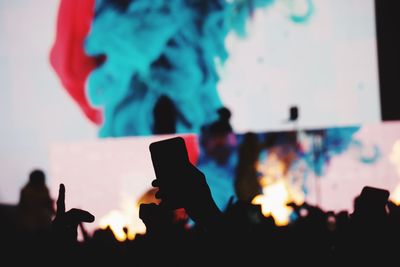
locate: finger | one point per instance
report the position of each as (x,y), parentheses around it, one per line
(61,200)
(158,194)
(77,216)
(155,183)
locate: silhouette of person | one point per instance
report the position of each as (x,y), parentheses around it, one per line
(35,207)
(247,183)
(218,157)
(218,139)
(167,116)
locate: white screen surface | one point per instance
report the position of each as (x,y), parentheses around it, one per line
(326,66)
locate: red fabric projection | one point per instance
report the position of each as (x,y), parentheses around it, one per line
(67,56)
(192,147)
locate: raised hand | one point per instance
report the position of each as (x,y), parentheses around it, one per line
(65,224)
(193,194)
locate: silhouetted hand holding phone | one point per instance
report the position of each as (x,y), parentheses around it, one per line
(182,185)
(370,205)
(65,224)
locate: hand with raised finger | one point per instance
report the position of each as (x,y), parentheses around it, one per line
(65,224)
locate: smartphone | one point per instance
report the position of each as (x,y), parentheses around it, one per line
(170,159)
(374,198)
(375,195)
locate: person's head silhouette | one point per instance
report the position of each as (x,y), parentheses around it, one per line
(218,138)
(37,178)
(165,116)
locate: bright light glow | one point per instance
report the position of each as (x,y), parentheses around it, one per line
(127,217)
(273,202)
(116,221)
(395,196)
(277,191)
(272,169)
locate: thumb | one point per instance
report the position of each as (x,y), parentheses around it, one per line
(77,216)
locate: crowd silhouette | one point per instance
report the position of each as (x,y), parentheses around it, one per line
(44,231)
(41,230)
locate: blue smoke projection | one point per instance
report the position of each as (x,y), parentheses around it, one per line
(170,48)
(327,143)
(298,156)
